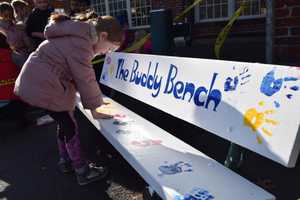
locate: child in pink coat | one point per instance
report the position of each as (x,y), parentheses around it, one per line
(59,68)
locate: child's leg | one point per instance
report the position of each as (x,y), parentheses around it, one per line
(64,163)
(69,132)
(68,139)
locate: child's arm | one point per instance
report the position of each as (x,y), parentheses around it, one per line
(84,77)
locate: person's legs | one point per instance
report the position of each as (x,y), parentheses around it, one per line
(64,162)
(69,145)
(68,139)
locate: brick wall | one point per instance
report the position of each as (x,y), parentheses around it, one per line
(287,28)
(287,31)
(208,30)
(249,27)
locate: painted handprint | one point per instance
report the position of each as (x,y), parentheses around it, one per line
(255,120)
(270,85)
(196,194)
(146,143)
(175,168)
(242,78)
(122,121)
(109,70)
(123,131)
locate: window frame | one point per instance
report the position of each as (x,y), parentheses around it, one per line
(128,10)
(231,10)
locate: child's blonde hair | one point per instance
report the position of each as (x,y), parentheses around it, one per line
(107,24)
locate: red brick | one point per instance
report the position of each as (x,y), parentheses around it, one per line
(288,40)
(281,31)
(296,12)
(284,12)
(287,53)
(287,22)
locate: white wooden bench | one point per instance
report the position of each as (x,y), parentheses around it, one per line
(201,92)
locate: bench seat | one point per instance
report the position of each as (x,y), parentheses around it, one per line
(171,167)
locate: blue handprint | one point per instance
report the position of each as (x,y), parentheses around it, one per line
(196,194)
(232,83)
(270,85)
(119,123)
(175,168)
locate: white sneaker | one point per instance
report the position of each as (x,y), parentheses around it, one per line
(46,119)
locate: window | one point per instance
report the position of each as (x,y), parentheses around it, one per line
(99,6)
(140,12)
(213,10)
(117,7)
(254,8)
(136,11)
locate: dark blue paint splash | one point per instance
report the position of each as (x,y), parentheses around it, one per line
(175,168)
(289,96)
(232,83)
(290,79)
(295,88)
(228,86)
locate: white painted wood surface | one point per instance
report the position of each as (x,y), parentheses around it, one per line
(251,104)
(173,168)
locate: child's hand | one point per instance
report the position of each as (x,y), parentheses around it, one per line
(104,111)
(100,114)
(106,103)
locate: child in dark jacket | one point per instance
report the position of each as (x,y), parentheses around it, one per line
(37,21)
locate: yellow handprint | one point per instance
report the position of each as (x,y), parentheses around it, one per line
(111,70)
(255,120)
(107,108)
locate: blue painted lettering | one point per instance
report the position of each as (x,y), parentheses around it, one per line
(202,96)
(189,88)
(179,87)
(170,79)
(149,80)
(122,73)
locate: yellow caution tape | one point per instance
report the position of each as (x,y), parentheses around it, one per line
(224,33)
(142,41)
(187,10)
(97,61)
(7,82)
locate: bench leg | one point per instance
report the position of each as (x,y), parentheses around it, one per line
(235,157)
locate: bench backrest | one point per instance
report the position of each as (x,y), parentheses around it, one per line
(254,105)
